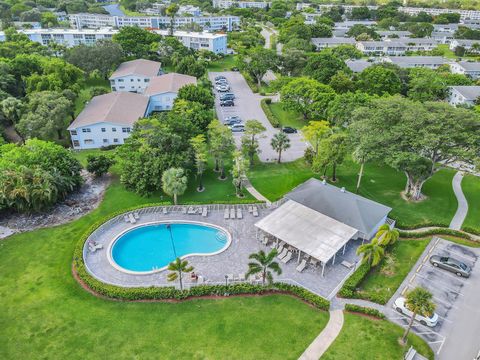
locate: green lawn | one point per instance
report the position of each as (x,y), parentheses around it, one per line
(384,279)
(380,183)
(287,117)
(365,338)
(45,313)
(471,189)
(224,64)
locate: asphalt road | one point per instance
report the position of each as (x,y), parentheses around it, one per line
(247,106)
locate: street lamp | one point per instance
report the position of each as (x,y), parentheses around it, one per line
(226,280)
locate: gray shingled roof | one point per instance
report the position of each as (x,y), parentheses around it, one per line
(140,67)
(470,66)
(333,40)
(468,92)
(171,82)
(405,61)
(351,209)
(358,65)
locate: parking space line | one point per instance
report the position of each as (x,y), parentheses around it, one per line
(456,253)
(445,287)
(448,305)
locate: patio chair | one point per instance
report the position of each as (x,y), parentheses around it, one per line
(135,215)
(165,211)
(205,212)
(302,266)
(94,246)
(265,240)
(125,217)
(230,277)
(239,213)
(250,209)
(226,214)
(282,254)
(200,279)
(232,213)
(255,211)
(132,219)
(347,264)
(287,258)
(184,210)
(191,210)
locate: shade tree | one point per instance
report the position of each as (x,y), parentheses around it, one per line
(250,146)
(280,142)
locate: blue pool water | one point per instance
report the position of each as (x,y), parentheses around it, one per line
(151,247)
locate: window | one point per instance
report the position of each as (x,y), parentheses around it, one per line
(114,129)
(88,141)
(126,129)
(131,80)
(120,80)
(113,88)
(105,141)
(73,132)
(122,87)
(76,143)
(103,129)
(139,80)
(115,140)
(146,80)
(86,130)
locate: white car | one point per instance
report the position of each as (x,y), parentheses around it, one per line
(400,306)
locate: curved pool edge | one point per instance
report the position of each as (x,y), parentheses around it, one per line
(150,272)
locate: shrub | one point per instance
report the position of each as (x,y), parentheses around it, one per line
(268,113)
(364,310)
(471,230)
(305,295)
(437,231)
(99,164)
(349,287)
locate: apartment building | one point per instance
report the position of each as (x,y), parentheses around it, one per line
(227,4)
(134,76)
(467,68)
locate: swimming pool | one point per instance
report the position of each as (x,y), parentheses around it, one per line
(151,247)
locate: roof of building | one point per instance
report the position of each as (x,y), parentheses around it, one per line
(470,66)
(400,33)
(349,208)
(395,43)
(123,108)
(405,61)
(358,65)
(171,82)
(466,42)
(333,40)
(310,231)
(141,67)
(468,92)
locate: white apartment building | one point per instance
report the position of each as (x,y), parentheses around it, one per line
(469,45)
(225,22)
(323,43)
(134,76)
(470,69)
(216,43)
(463,95)
(396,47)
(227,4)
(464,14)
(162,90)
(407,62)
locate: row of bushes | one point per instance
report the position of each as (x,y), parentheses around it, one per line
(252,84)
(364,310)
(348,289)
(268,112)
(170,292)
(471,230)
(437,231)
(399,225)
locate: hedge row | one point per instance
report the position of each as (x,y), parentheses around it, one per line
(252,84)
(437,231)
(170,292)
(399,225)
(471,230)
(348,289)
(268,113)
(364,310)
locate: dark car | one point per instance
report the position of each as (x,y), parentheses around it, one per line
(451,264)
(227,102)
(235,69)
(289,130)
(227,96)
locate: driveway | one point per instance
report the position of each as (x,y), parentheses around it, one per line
(247,106)
(456,334)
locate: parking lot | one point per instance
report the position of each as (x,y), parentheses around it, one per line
(451,295)
(247,107)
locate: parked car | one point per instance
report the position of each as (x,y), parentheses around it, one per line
(220,77)
(227,96)
(400,306)
(451,264)
(237,127)
(235,69)
(221,82)
(223,88)
(289,130)
(227,102)
(230,120)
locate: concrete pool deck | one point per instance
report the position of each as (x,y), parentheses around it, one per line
(234,260)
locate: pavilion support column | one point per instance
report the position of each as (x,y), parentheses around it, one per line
(344,246)
(333,262)
(299,253)
(323,268)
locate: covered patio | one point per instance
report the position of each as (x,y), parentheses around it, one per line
(308,234)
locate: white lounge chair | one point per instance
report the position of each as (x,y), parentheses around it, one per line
(125,217)
(232,213)
(165,211)
(200,280)
(132,218)
(287,258)
(205,212)
(93,246)
(136,216)
(250,209)
(347,264)
(255,211)
(265,240)
(230,277)
(282,254)
(239,213)
(302,265)
(184,210)
(226,214)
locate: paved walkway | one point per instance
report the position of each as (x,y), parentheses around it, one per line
(323,341)
(457,221)
(256,194)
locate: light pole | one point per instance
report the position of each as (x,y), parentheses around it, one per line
(226,280)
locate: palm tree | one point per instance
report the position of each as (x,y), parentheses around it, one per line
(279,143)
(372,252)
(171,11)
(418,301)
(177,268)
(386,235)
(264,264)
(174,182)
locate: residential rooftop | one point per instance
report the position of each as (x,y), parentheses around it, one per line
(171,82)
(469,65)
(140,67)
(468,92)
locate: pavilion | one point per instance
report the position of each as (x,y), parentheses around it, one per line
(319,220)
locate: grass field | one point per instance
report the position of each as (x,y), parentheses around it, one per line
(384,279)
(377,340)
(45,313)
(287,117)
(224,64)
(471,190)
(380,183)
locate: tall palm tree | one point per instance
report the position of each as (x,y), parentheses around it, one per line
(171,11)
(372,252)
(279,143)
(174,182)
(177,268)
(386,235)
(264,264)
(418,301)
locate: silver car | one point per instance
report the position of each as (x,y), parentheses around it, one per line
(451,264)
